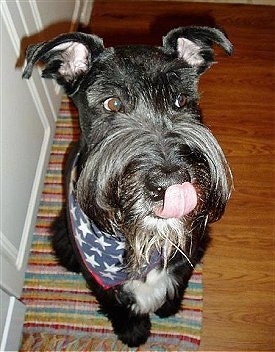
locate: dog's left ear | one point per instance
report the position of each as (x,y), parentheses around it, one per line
(194,45)
(67,58)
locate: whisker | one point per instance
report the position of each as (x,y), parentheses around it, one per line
(191,244)
(178,249)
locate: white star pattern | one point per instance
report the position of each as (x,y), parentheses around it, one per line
(83,228)
(79,238)
(98,251)
(101,241)
(91,259)
(120,245)
(111,268)
(73,212)
(118,257)
(108,275)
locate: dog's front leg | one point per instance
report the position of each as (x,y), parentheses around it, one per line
(132,328)
(180,272)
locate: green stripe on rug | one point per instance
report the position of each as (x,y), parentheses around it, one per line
(62,314)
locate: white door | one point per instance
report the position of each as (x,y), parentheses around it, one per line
(28,113)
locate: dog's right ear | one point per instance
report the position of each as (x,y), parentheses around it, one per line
(67,58)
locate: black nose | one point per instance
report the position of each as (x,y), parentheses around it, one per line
(159,179)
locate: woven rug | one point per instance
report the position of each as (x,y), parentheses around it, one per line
(62,314)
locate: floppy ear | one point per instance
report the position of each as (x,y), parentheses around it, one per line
(67,58)
(194,45)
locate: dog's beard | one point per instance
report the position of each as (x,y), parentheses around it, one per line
(166,236)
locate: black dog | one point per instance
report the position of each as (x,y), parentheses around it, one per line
(146,177)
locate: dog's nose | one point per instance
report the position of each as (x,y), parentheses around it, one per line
(156,193)
(159,179)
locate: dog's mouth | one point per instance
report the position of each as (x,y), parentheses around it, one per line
(179,201)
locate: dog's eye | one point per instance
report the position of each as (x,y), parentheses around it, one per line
(113,104)
(181,101)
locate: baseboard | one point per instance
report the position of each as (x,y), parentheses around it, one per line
(13,320)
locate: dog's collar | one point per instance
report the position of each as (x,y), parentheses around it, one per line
(101,253)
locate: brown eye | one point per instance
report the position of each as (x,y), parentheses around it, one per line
(181,101)
(113,104)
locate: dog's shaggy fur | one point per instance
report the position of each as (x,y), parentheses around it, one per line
(146,172)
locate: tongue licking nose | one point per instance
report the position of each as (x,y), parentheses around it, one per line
(179,200)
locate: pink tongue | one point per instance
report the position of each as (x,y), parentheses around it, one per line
(179,200)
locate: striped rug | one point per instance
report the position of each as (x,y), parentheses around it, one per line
(62,315)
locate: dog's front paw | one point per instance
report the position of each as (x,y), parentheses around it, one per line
(170,307)
(134,331)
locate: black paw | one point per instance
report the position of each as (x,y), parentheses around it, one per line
(169,308)
(134,331)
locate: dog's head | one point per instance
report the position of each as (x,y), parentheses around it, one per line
(151,170)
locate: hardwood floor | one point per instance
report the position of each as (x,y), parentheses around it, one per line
(238,103)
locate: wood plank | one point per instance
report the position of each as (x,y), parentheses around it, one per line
(238,103)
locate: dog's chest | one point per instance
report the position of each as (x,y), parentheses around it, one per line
(149,295)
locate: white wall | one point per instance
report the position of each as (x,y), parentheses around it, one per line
(28,113)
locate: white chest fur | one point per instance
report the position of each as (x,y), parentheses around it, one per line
(151,293)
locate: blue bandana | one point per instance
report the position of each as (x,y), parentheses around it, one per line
(101,253)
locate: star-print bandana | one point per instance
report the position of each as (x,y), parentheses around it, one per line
(102,253)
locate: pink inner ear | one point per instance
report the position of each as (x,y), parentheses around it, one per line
(74,58)
(189,51)
(179,200)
